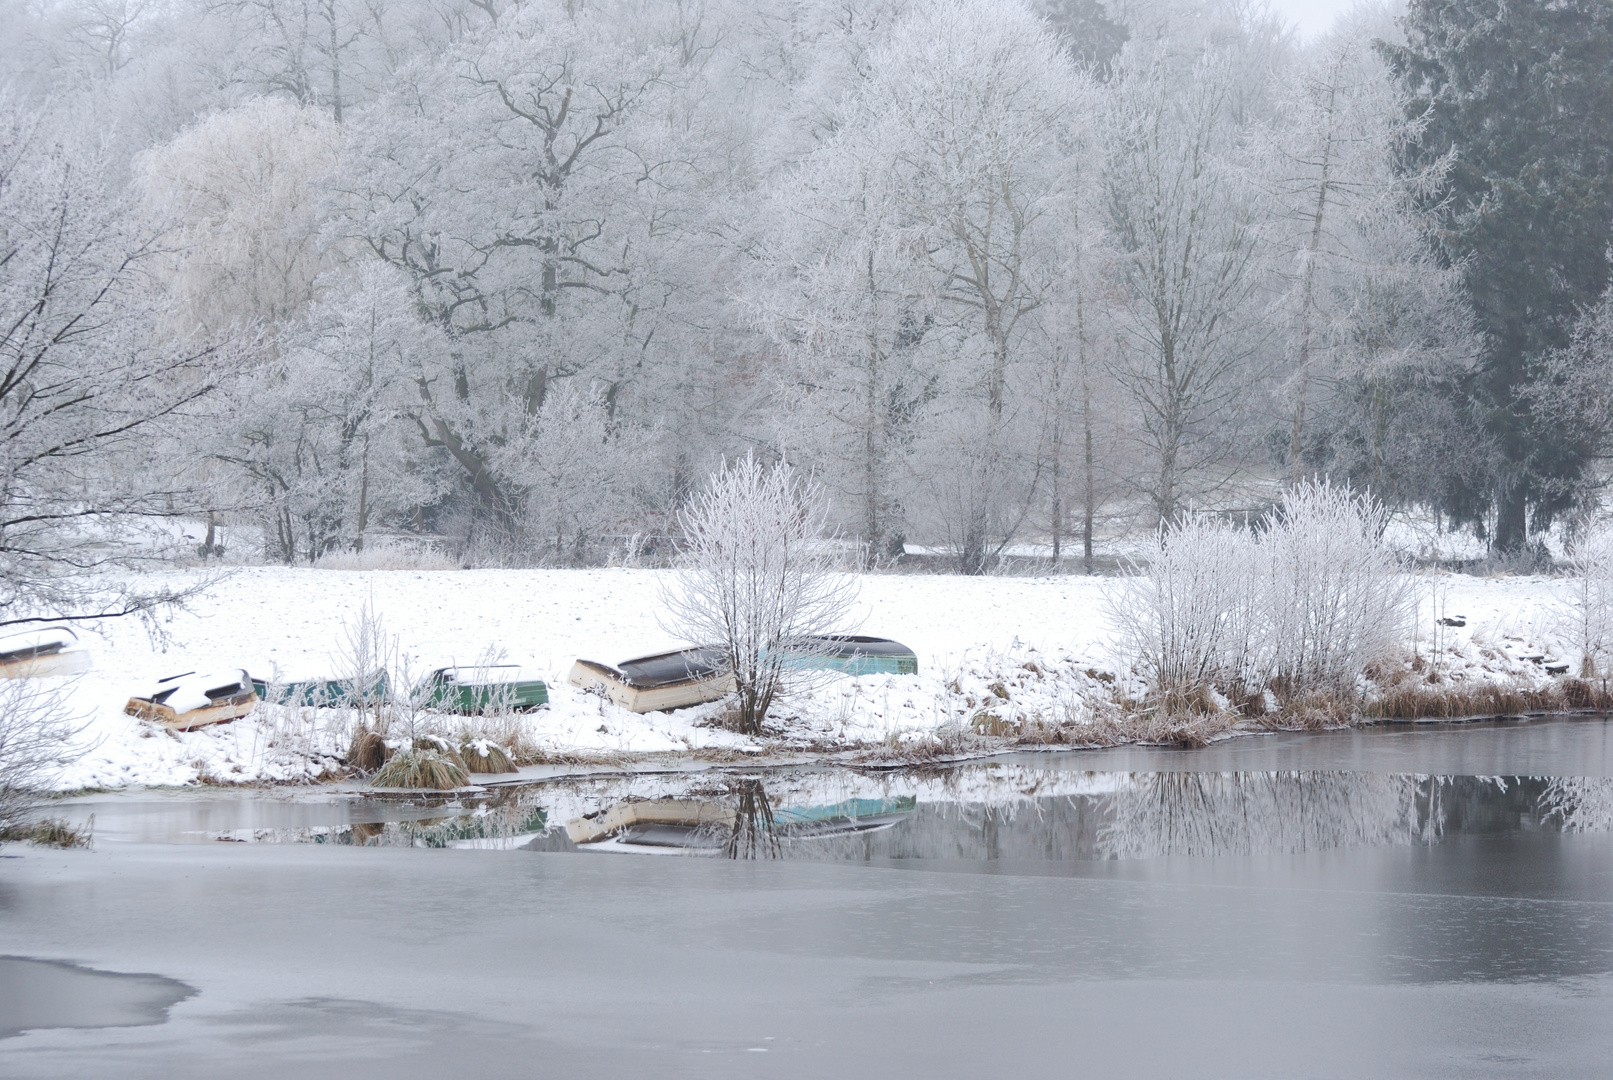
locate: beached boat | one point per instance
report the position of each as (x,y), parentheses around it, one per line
(671,680)
(321,693)
(36,654)
(705,826)
(481,688)
(196,699)
(853,654)
(675,680)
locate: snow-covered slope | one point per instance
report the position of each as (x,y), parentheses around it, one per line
(1039,641)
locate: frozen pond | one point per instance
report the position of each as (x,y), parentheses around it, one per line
(1416,900)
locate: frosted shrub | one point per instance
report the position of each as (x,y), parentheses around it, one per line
(1338,602)
(37,737)
(1300,608)
(1592,560)
(756,579)
(1190,616)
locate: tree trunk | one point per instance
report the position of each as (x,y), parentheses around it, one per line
(335,64)
(1512,521)
(363,497)
(1296,443)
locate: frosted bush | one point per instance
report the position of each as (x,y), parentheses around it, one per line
(37,739)
(1190,616)
(1592,560)
(1339,603)
(1302,607)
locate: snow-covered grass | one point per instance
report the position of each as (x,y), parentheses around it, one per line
(1001,660)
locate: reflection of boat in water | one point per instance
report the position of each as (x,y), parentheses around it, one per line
(692,825)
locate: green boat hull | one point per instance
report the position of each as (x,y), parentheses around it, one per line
(475,698)
(321,693)
(859,665)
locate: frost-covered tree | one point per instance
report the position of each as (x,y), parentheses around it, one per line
(583,475)
(848,303)
(1366,305)
(37,733)
(980,112)
(326,448)
(88,387)
(758,579)
(238,193)
(514,181)
(1186,221)
(1521,95)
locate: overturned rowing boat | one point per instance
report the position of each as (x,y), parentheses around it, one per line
(852,654)
(671,680)
(324,693)
(40,653)
(674,680)
(484,688)
(196,699)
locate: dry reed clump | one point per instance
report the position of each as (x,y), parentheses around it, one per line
(1158,728)
(368,751)
(1023,731)
(1450,702)
(52,832)
(507,732)
(483,756)
(423,765)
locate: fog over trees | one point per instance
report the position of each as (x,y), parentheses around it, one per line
(518,274)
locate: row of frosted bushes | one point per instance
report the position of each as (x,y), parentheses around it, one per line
(1301,606)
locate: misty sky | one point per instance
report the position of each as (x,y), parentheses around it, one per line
(1312,16)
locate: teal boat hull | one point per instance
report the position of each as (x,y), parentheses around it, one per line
(321,693)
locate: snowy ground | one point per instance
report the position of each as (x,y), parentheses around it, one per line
(1016,648)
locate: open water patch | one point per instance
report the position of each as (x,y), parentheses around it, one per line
(38,994)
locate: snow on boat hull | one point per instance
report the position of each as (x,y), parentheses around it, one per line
(193,700)
(71,662)
(37,654)
(687,677)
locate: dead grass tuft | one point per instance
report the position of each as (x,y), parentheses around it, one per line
(420,767)
(52,832)
(1159,728)
(368,751)
(1450,702)
(482,756)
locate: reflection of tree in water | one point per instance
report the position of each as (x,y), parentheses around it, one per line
(1196,813)
(1580,803)
(754,834)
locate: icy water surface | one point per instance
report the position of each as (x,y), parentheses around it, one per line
(1417,900)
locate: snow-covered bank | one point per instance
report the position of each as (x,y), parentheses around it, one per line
(992,652)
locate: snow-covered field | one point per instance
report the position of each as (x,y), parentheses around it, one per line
(1020,648)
